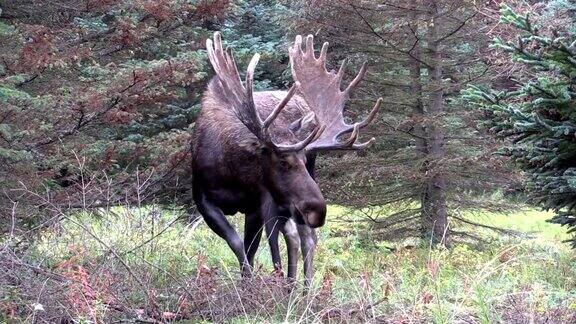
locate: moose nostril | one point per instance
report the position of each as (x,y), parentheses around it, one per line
(315,213)
(315,220)
(311,208)
(318,206)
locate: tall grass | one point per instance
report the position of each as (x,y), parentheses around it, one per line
(151,264)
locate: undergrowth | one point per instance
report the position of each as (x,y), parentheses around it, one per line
(152,265)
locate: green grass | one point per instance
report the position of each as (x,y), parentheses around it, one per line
(520,278)
(528,221)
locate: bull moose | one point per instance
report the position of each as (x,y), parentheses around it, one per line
(255,152)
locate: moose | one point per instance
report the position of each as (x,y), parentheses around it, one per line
(255,152)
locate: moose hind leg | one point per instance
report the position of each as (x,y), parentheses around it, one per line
(272,223)
(273,226)
(218,223)
(252,234)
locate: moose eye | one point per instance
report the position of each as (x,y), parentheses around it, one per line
(284,164)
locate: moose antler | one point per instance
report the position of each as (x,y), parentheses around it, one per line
(242,100)
(321,90)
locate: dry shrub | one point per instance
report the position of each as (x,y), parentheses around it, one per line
(516,309)
(81,288)
(86,295)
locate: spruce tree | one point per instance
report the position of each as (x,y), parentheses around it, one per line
(537,115)
(106,92)
(427,164)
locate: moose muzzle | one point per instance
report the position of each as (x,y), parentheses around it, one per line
(313,212)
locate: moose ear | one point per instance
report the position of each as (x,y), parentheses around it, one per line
(295,125)
(301,122)
(252,145)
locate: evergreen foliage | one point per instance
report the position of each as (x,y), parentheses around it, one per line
(93,88)
(105,93)
(429,162)
(538,114)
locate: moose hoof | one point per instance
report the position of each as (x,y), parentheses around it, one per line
(247,271)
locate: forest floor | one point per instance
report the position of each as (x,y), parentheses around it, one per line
(150,265)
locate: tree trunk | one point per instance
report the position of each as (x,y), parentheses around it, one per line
(416,90)
(434,215)
(418,115)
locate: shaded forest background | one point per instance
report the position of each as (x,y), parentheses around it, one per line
(98,99)
(476,136)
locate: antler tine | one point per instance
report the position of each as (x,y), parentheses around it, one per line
(340,73)
(372,114)
(362,146)
(281,105)
(353,137)
(215,53)
(323,53)
(298,44)
(232,62)
(349,143)
(250,80)
(218,42)
(310,46)
(318,130)
(352,86)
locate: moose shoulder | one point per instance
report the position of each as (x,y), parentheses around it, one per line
(254,152)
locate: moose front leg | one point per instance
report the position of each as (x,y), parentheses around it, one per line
(252,234)
(308,241)
(292,239)
(216,220)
